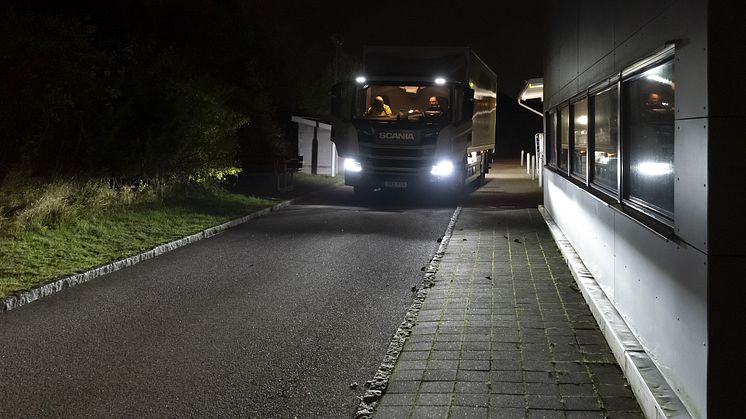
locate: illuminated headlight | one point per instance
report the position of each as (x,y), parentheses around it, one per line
(360,79)
(352,165)
(440,81)
(443,168)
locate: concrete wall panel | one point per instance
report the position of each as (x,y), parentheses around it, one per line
(690,189)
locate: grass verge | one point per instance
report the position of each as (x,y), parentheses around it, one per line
(36,254)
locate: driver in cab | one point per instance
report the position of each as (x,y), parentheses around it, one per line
(379,108)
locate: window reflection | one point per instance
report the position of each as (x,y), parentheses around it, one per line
(552,140)
(564,137)
(649,135)
(605,137)
(580,138)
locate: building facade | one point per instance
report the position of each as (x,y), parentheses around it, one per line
(643,116)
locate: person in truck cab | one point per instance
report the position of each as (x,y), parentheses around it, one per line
(379,108)
(434,109)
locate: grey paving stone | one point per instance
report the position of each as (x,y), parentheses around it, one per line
(413,355)
(574,414)
(540,377)
(392,412)
(468,375)
(445,355)
(429,412)
(418,345)
(438,364)
(507,400)
(550,389)
(439,375)
(447,346)
(511,376)
(613,414)
(577,390)
(402,386)
(472,387)
(411,365)
(469,412)
(476,355)
(507,413)
(407,375)
(545,414)
(437,387)
(503,387)
(507,354)
(506,365)
(474,365)
(564,377)
(619,403)
(581,403)
(614,390)
(538,401)
(471,399)
(399,399)
(434,399)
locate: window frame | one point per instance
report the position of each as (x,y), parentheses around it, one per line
(574,101)
(631,73)
(613,83)
(655,218)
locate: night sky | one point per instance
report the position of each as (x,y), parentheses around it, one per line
(509,37)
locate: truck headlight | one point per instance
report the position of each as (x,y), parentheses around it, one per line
(443,168)
(352,165)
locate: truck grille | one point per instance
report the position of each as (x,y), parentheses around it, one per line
(384,157)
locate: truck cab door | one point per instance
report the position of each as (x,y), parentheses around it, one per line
(467,105)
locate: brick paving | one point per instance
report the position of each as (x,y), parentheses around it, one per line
(505,333)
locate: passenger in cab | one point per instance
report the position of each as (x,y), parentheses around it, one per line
(379,108)
(434,109)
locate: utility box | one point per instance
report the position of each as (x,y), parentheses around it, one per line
(321,158)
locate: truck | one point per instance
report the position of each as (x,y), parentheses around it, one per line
(416,118)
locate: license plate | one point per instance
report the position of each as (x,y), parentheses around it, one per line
(395,184)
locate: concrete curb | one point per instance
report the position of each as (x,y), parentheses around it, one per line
(18,300)
(377,386)
(657,399)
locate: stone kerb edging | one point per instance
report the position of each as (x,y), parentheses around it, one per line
(17,300)
(377,386)
(655,396)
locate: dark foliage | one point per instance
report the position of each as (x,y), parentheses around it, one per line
(146,90)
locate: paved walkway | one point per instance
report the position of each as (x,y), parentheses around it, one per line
(504,331)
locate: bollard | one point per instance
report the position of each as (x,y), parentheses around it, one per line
(541,170)
(528,166)
(533,168)
(521,157)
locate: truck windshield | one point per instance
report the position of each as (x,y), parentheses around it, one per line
(411,102)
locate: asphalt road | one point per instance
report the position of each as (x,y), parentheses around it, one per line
(275,318)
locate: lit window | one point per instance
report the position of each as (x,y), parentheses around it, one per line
(648,129)
(564,137)
(580,139)
(605,139)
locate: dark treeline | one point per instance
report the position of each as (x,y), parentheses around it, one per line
(139,90)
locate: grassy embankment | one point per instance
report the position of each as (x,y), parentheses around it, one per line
(56,229)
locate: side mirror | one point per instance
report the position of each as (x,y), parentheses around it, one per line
(343,100)
(467,110)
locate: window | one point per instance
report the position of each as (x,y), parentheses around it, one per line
(580,139)
(605,139)
(648,137)
(404,102)
(564,137)
(551,145)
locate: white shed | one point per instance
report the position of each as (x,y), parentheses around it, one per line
(321,158)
